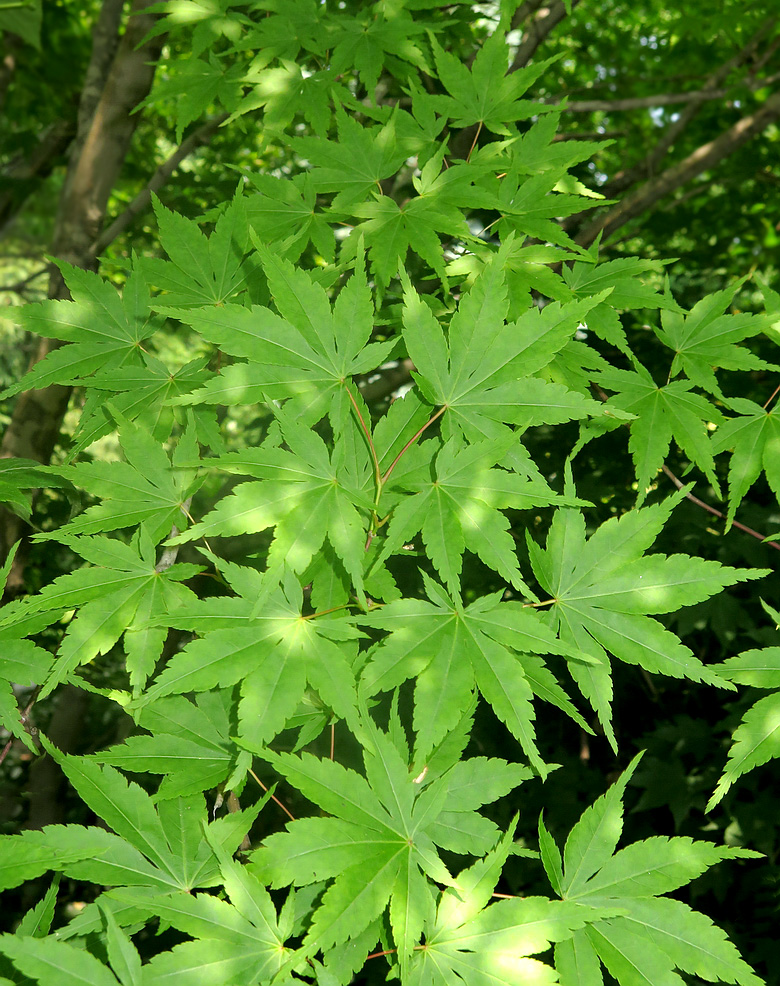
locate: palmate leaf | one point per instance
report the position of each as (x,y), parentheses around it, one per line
(140,393)
(305,353)
(707,339)
(155,848)
(757,738)
(450,651)
(202,270)
(104,329)
(364,43)
(302,493)
(235,942)
(134,594)
(354,164)
(474,372)
(378,843)
(647,936)
(486,94)
(603,589)
(662,413)
(754,438)
(485,945)
(148,488)
(273,653)
(283,212)
(459,507)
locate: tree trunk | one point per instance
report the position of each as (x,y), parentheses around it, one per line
(119,76)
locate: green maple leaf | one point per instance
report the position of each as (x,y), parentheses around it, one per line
(706,339)
(391,229)
(104,330)
(355,163)
(148,488)
(661,414)
(155,847)
(533,206)
(273,653)
(754,438)
(201,270)
(379,843)
(22,664)
(450,650)
(305,353)
(284,211)
(46,959)
(474,941)
(623,276)
(604,589)
(459,506)
(756,739)
(236,941)
(135,594)
(485,94)
(363,44)
(302,493)
(648,936)
(289,26)
(189,744)
(195,83)
(474,371)
(18,477)
(140,393)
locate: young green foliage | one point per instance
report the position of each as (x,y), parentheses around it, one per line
(646,937)
(399,397)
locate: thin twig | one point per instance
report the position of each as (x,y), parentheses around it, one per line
(141,202)
(284,808)
(369,439)
(717,513)
(775,392)
(412,440)
(24,717)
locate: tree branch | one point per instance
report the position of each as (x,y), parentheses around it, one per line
(141,202)
(663,98)
(704,157)
(647,168)
(539,28)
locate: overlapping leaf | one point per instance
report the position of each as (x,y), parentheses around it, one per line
(234,942)
(648,936)
(159,848)
(603,590)
(475,941)
(189,743)
(378,844)
(273,654)
(450,650)
(304,353)
(662,413)
(103,328)
(302,493)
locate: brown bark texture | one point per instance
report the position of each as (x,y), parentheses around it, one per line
(119,76)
